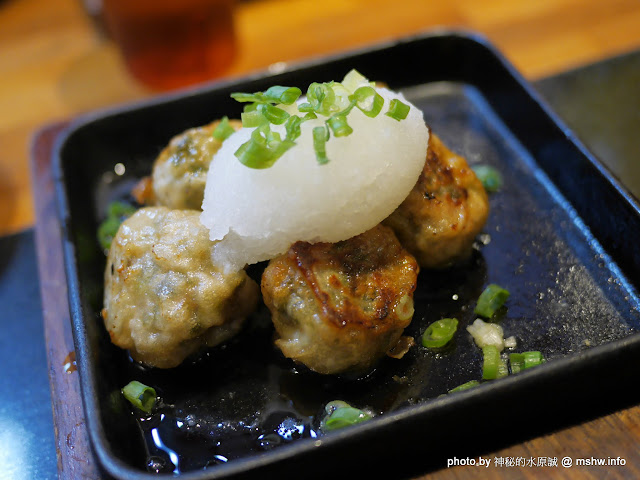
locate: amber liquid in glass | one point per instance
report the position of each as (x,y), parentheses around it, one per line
(168,44)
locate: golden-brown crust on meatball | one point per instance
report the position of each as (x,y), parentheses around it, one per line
(180,171)
(340,307)
(163,298)
(445,211)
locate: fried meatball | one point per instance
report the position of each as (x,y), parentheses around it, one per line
(340,307)
(441,216)
(180,171)
(163,299)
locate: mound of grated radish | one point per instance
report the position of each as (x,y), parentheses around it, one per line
(257,214)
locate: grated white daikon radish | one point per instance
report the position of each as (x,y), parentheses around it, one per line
(255,215)
(486,334)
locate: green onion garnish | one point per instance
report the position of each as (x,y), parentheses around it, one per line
(352,79)
(398,110)
(246,97)
(252,118)
(522,361)
(320,137)
(465,386)
(284,95)
(343,416)
(490,177)
(533,359)
(491,299)
(516,360)
(331,99)
(107,230)
(339,126)
(334,405)
(492,365)
(117,212)
(223,130)
(274,115)
(439,333)
(321,99)
(140,395)
(503,368)
(292,127)
(275,94)
(263,150)
(120,209)
(368,97)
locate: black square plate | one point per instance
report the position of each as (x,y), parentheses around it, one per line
(561,237)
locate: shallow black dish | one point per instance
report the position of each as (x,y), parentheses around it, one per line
(561,237)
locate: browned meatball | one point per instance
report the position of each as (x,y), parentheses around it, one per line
(444,212)
(180,171)
(163,298)
(340,307)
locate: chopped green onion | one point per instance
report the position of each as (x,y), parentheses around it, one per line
(368,97)
(120,209)
(343,416)
(260,151)
(263,135)
(334,405)
(223,130)
(503,368)
(465,386)
(246,97)
(117,212)
(140,395)
(439,333)
(516,360)
(397,110)
(305,107)
(331,99)
(273,95)
(250,107)
(265,145)
(339,126)
(522,361)
(353,79)
(490,177)
(342,101)
(292,127)
(491,299)
(320,137)
(107,230)
(253,118)
(309,116)
(274,115)
(282,147)
(533,359)
(321,98)
(491,362)
(284,95)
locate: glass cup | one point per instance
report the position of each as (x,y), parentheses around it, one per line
(168,44)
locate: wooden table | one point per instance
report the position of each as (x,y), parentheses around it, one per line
(53,65)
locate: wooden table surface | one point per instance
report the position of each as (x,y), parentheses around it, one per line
(54,65)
